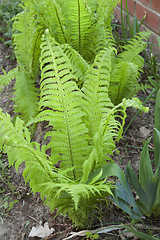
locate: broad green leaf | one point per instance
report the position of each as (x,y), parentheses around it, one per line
(145,168)
(139,234)
(157,147)
(108,170)
(136,185)
(124,199)
(156,138)
(146,196)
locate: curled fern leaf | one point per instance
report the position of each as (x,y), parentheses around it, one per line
(109,132)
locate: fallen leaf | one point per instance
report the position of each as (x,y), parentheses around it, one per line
(98,230)
(41,231)
(145,132)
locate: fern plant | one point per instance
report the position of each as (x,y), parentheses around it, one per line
(70,48)
(83,30)
(84,127)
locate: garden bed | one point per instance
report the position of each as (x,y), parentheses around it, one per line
(20,210)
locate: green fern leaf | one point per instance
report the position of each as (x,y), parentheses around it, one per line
(124,82)
(79,22)
(61,95)
(15,140)
(103,10)
(95,90)
(108,11)
(7,77)
(80,66)
(110,130)
(103,38)
(133,48)
(76,200)
(26,96)
(50,16)
(26,41)
(126,72)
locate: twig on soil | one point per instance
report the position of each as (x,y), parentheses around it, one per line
(33,219)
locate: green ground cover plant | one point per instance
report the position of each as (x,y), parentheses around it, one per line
(70,75)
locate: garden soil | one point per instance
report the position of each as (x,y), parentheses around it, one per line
(20,210)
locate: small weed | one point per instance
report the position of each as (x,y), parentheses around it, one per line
(6,204)
(4,176)
(6,201)
(91,236)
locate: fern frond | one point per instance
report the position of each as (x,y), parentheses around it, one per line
(109,131)
(101,28)
(76,200)
(61,95)
(34,53)
(26,96)
(80,66)
(103,10)
(133,48)
(26,41)
(50,16)
(78,17)
(52,183)
(15,141)
(109,7)
(98,38)
(95,90)
(123,82)
(126,72)
(7,77)
(103,38)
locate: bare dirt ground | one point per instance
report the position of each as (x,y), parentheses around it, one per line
(20,210)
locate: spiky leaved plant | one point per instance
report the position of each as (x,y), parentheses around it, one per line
(83,30)
(84,126)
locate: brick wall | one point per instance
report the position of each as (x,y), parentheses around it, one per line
(140,8)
